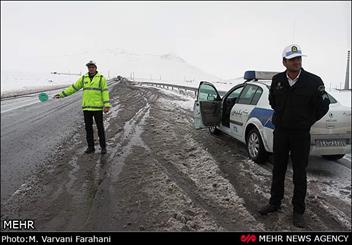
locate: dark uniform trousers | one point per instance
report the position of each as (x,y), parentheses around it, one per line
(88,120)
(295,143)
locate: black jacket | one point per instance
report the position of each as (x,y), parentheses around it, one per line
(300,106)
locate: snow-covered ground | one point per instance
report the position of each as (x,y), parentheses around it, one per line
(171,177)
(186,101)
(19,80)
(342,96)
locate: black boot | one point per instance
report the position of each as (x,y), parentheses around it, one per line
(298,220)
(89,150)
(103,150)
(268,209)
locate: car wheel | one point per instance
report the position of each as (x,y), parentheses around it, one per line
(255,147)
(333,157)
(214,130)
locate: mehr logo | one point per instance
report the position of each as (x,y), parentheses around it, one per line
(294,49)
(248,238)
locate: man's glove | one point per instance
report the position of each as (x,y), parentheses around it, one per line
(106,109)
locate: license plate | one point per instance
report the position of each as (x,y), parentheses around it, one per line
(330,142)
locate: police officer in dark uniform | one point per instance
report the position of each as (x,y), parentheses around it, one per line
(298,99)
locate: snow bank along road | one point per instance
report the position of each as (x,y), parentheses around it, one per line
(159,174)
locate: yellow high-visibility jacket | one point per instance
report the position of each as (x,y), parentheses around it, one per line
(95,93)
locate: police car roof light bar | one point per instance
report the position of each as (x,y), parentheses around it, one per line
(259,75)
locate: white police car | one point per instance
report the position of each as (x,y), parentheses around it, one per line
(244,113)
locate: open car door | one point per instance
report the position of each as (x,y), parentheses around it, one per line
(207,107)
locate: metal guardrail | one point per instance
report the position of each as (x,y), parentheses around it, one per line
(31,92)
(13,95)
(109,82)
(172,86)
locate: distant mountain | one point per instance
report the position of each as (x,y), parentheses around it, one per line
(167,68)
(172,57)
(149,67)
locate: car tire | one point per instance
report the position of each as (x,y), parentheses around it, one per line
(333,157)
(214,130)
(255,147)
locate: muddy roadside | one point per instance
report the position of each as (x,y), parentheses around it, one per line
(161,175)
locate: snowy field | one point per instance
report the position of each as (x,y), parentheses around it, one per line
(21,81)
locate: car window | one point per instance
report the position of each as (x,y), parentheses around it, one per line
(235,94)
(256,96)
(207,93)
(247,94)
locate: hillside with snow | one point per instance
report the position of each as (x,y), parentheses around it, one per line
(166,68)
(149,67)
(111,62)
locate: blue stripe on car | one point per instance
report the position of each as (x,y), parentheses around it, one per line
(263,115)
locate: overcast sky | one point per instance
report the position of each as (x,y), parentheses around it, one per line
(222,38)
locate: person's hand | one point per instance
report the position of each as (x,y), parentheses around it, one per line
(106,109)
(56,96)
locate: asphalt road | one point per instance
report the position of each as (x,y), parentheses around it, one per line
(31,132)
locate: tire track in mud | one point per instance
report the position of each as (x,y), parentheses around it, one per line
(159,175)
(239,170)
(225,171)
(257,194)
(332,211)
(108,167)
(182,157)
(120,201)
(123,142)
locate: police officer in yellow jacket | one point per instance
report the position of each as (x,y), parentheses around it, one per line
(95,100)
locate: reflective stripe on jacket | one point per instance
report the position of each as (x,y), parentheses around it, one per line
(95,92)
